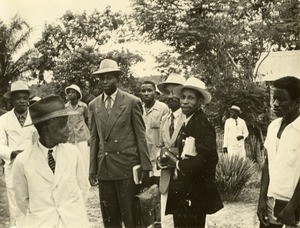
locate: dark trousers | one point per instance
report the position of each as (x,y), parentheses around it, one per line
(116,202)
(189,221)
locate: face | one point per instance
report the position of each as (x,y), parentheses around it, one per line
(58,131)
(20,101)
(189,101)
(233,113)
(172,101)
(109,82)
(72,94)
(148,93)
(283,105)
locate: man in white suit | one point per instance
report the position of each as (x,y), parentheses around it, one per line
(50,179)
(170,126)
(14,138)
(235,133)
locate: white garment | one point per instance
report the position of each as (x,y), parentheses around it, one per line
(14,137)
(232,129)
(51,199)
(284,162)
(85,153)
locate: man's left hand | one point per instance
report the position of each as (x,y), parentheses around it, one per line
(287,216)
(145,179)
(171,159)
(239,137)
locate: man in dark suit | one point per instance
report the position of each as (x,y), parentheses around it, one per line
(118,143)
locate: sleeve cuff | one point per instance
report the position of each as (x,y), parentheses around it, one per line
(177,165)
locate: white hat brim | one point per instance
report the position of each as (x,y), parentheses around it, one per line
(162,86)
(206,95)
(107,70)
(32,92)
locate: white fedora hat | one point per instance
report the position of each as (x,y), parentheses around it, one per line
(108,65)
(196,84)
(237,108)
(172,79)
(75,87)
(19,86)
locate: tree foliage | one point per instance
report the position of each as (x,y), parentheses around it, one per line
(12,38)
(73,48)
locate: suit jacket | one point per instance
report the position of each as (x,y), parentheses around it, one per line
(14,137)
(118,140)
(169,143)
(47,199)
(195,191)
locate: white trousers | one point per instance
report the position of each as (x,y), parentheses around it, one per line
(85,153)
(166,220)
(17,218)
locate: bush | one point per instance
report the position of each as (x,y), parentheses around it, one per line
(232,174)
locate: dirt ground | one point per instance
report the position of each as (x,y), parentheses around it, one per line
(241,214)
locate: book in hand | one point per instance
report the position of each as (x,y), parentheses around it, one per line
(189,148)
(137,173)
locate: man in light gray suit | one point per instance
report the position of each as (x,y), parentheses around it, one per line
(118,143)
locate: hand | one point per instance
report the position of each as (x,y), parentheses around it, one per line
(262,212)
(145,179)
(287,216)
(14,154)
(161,163)
(225,151)
(171,159)
(239,137)
(93,179)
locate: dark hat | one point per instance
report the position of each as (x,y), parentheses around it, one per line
(48,108)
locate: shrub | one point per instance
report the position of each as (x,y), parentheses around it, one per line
(232,174)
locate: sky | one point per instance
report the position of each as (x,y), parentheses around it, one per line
(38,12)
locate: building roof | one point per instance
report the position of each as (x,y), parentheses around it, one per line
(274,65)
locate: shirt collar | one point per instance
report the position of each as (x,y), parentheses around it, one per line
(45,149)
(24,115)
(113,96)
(79,104)
(175,114)
(188,119)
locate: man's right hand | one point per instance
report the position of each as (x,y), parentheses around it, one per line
(262,212)
(225,151)
(14,154)
(93,179)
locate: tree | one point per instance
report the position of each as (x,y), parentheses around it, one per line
(12,39)
(72,50)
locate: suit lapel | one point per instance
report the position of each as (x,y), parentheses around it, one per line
(101,111)
(177,129)
(15,122)
(41,164)
(61,165)
(165,130)
(115,113)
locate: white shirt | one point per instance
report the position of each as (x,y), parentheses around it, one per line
(284,159)
(45,151)
(113,98)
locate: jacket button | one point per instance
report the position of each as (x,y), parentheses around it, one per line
(116,141)
(118,152)
(106,153)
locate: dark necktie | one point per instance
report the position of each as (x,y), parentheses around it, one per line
(108,104)
(171,128)
(21,120)
(51,161)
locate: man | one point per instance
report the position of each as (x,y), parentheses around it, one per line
(154,110)
(235,133)
(170,126)
(79,132)
(49,179)
(118,143)
(279,200)
(14,138)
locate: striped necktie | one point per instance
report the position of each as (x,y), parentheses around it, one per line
(21,120)
(51,161)
(171,128)
(108,104)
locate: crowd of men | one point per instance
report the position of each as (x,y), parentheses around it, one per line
(54,152)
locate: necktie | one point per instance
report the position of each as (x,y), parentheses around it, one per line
(21,120)
(108,104)
(51,161)
(171,128)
